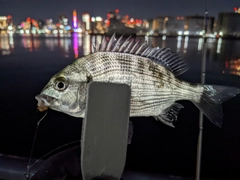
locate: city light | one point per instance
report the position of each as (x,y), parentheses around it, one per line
(115,22)
(186,33)
(98,18)
(236,10)
(55,31)
(75,24)
(3,18)
(10,28)
(180,33)
(233,67)
(93,19)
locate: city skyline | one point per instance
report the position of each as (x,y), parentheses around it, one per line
(142,9)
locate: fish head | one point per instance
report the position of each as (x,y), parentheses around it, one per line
(65,92)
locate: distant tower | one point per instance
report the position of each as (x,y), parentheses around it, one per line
(75,20)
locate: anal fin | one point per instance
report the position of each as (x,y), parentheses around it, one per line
(170,114)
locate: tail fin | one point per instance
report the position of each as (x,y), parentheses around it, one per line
(212,98)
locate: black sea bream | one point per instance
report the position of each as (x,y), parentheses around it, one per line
(151,74)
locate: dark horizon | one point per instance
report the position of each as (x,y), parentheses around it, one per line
(44,9)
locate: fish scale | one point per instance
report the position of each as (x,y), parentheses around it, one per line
(146,78)
(151,73)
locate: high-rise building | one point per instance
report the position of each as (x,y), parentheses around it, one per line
(236,10)
(228,24)
(86,22)
(75,20)
(195,25)
(97,25)
(63,20)
(3,23)
(9,20)
(168,25)
(157,25)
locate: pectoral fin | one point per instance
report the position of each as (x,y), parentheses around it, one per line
(170,114)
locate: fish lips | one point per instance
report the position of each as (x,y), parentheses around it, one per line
(44,102)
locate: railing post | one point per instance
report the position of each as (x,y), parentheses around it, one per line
(105,131)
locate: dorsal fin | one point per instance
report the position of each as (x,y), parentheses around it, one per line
(163,56)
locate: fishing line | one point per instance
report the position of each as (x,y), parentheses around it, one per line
(27,173)
(67,144)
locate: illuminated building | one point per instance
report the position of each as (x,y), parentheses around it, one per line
(3,24)
(86,22)
(6,24)
(159,25)
(74,20)
(30,26)
(125,24)
(195,25)
(228,24)
(26,25)
(236,10)
(41,24)
(179,24)
(156,25)
(114,14)
(116,26)
(49,27)
(62,26)
(63,20)
(97,25)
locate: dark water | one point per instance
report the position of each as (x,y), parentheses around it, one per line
(28,62)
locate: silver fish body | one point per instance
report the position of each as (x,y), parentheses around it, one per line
(151,74)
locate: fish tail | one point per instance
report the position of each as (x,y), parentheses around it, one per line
(212,98)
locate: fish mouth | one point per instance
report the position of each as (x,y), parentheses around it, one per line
(44,102)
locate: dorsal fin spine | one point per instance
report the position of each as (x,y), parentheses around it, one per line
(117,44)
(103,44)
(145,51)
(111,42)
(97,44)
(124,44)
(163,56)
(128,47)
(140,48)
(133,50)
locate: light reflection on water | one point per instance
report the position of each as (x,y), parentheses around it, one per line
(233,67)
(6,44)
(223,52)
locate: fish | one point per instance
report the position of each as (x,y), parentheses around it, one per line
(151,72)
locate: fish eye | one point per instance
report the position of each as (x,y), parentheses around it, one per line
(60,84)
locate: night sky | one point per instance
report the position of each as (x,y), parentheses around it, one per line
(43,9)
